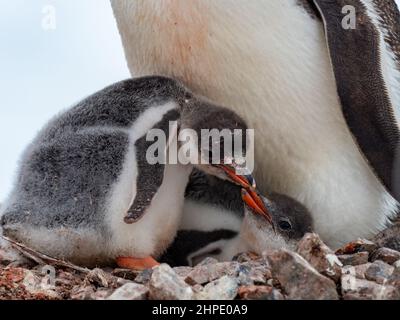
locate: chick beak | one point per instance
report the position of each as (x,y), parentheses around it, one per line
(245,181)
(254,201)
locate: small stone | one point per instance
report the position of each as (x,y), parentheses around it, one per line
(8,255)
(100,278)
(252,272)
(82,292)
(202,274)
(197,288)
(357,271)
(39,286)
(298,278)
(165,284)
(359,289)
(259,293)
(127,274)
(320,256)
(101,294)
(354,259)
(379,272)
(183,272)
(360,245)
(130,291)
(225,288)
(394,279)
(386,255)
(144,276)
(246,257)
(207,261)
(390,237)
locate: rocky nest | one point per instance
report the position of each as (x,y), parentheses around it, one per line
(362,269)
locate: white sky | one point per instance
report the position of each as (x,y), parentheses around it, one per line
(43,72)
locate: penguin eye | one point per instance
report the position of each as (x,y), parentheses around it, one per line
(285,225)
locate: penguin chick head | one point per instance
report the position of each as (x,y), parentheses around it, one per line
(219,137)
(290,222)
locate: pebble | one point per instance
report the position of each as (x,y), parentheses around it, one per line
(357,271)
(165,284)
(183,272)
(359,289)
(298,278)
(204,273)
(320,256)
(387,255)
(130,291)
(39,286)
(127,274)
(246,257)
(144,276)
(379,272)
(225,288)
(260,293)
(354,259)
(360,245)
(100,278)
(251,273)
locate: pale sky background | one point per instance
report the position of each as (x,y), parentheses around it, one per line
(43,72)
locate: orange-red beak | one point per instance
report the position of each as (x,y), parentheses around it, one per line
(244,181)
(254,201)
(249,193)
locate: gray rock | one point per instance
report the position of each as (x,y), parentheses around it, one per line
(359,289)
(386,255)
(36,284)
(202,274)
(390,237)
(207,261)
(83,292)
(8,255)
(320,256)
(225,288)
(254,272)
(394,279)
(246,257)
(356,271)
(144,276)
(354,259)
(126,274)
(100,278)
(130,291)
(300,280)
(379,272)
(259,293)
(360,245)
(165,284)
(183,272)
(102,294)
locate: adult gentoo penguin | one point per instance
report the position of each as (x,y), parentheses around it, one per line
(86,190)
(324,99)
(217,223)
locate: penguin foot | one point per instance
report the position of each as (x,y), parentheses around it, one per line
(136,263)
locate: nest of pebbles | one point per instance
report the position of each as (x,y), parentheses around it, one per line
(362,269)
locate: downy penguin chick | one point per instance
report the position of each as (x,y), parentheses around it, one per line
(85,190)
(216,223)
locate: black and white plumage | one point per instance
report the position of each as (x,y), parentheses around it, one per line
(85,178)
(324,100)
(216,223)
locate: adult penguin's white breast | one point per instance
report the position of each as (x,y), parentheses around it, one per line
(268,61)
